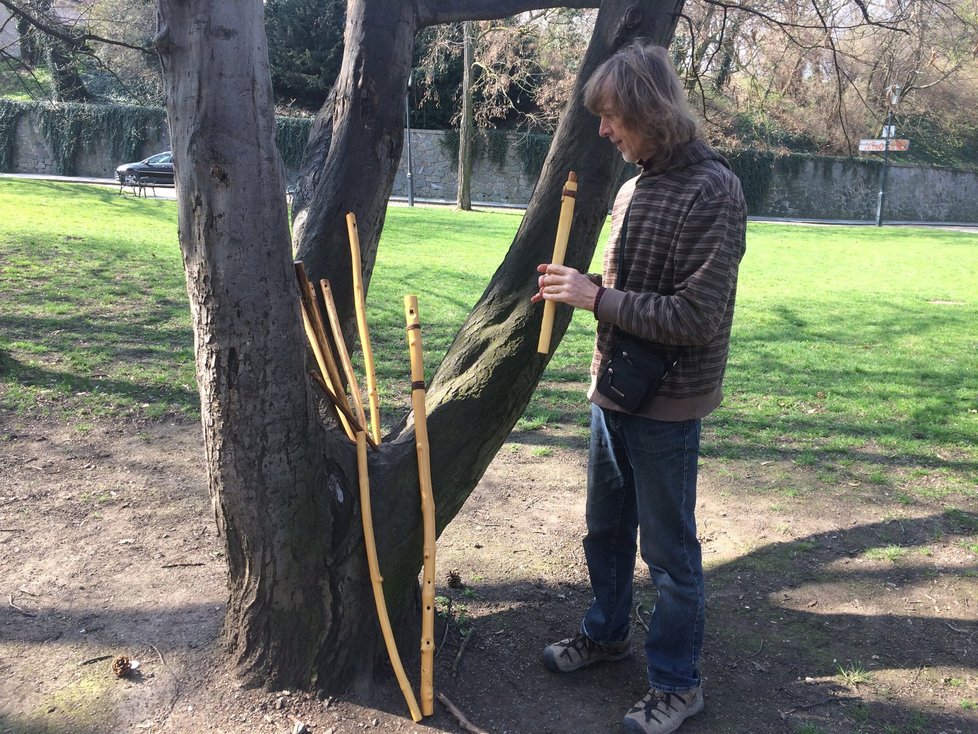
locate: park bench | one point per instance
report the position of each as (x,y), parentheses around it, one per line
(140,184)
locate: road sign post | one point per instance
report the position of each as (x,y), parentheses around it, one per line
(894,92)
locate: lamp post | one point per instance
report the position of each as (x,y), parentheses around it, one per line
(407,132)
(893,91)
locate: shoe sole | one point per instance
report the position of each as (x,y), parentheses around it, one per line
(550,661)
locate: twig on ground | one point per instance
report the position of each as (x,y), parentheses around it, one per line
(10,600)
(461,650)
(165,665)
(758,651)
(958,629)
(99,659)
(448,619)
(806,706)
(454,711)
(12,530)
(639,617)
(180,565)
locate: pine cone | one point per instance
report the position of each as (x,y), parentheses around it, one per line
(122,666)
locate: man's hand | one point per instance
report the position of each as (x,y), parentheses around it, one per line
(564,285)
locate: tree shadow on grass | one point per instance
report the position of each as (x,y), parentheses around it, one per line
(99,355)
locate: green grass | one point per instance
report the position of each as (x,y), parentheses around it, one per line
(854,675)
(854,353)
(93,309)
(892,553)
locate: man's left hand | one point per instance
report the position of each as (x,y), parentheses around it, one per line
(564,285)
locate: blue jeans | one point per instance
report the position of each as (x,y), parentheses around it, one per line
(642,475)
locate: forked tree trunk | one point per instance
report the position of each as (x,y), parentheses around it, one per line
(282,485)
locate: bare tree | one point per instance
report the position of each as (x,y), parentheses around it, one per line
(820,69)
(66,43)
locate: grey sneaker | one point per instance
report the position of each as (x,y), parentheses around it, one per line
(581,651)
(661,713)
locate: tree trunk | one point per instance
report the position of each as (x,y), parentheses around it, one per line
(466,128)
(283,487)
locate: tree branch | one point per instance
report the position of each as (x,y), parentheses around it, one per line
(785,24)
(50,27)
(435,12)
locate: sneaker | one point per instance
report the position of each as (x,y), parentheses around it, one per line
(581,651)
(661,713)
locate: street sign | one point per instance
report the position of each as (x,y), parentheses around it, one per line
(889,131)
(879,145)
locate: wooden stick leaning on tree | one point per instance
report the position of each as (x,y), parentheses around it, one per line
(345,412)
(319,326)
(342,351)
(567,199)
(321,350)
(427,505)
(377,581)
(360,303)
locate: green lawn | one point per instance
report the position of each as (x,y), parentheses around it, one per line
(853,346)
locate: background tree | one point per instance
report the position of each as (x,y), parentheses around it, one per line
(51,48)
(466,126)
(67,43)
(812,76)
(305,44)
(126,73)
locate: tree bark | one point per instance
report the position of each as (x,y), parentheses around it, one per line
(283,487)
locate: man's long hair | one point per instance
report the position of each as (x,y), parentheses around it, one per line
(640,85)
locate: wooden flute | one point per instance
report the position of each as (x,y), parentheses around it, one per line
(427,505)
(377,581)
(567,199)
(360,303)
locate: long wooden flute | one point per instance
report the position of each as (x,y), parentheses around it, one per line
(360,303)
(567,198)
(377,581)
(427,506)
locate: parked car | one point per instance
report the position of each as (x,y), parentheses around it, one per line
(157,169)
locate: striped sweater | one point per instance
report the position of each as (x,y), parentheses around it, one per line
(685,239)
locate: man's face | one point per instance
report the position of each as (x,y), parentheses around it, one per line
(628,142)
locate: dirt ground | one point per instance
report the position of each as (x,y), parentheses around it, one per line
(831,608)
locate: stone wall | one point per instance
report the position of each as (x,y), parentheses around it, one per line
(31,153)
(805,187)
(435,168)
(848,190)
(833,189)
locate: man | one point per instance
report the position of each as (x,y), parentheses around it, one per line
(669,277)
